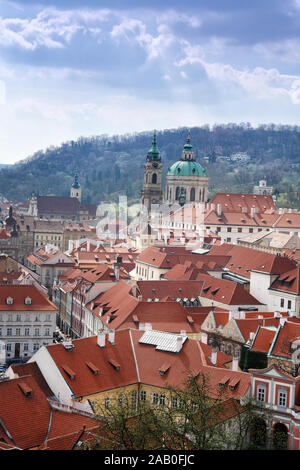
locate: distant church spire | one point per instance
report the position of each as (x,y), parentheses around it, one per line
(76,188)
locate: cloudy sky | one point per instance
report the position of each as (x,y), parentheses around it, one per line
(70,68)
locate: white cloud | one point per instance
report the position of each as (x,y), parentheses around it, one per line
(136,31)
(260,82)
(50,28)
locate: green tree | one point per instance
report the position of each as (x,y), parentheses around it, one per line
(192,417)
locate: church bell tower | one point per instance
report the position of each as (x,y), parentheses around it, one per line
(152,190)
(76,188)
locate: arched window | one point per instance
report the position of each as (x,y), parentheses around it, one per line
(280,437)
(177,193)
(192,195)
(154,178)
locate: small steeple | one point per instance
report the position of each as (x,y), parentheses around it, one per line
(76,184)
(188,152)
(76,189)
(154,153)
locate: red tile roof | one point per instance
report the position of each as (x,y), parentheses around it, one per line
(58,205)
(139,363)
(263,339)
(288,221)
(285,335)
(243,260)
(29,419)
(19,293)
(288,282)
(233,202)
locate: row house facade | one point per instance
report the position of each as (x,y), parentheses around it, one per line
(27,321)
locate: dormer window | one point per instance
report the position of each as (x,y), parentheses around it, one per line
(28,301)
(9,300)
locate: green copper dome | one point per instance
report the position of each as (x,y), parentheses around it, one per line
(153,153)
(187,168)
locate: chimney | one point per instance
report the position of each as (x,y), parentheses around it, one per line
(235,363)
(67,343)
(212,206)
(117,272)
(179,343)
(251,336)
(101,338)
(214,356)
(219,209)
(204,338)
(252,211)
(133,289)
(111,336)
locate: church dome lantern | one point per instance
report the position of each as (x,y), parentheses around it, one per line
(186,174)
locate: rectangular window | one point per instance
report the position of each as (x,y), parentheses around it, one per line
(228,229)
(261,393)
(36,346)
(281,302)
(240,229)
(228,239)
(18,317)
(18,331)
(8,347)
(26,347)
(36,332)
(26,331)
(107,402)
(155,398)
(9,331)
(48,317)
(134,399)
(47,332)
(250,230)
(174,402)
(162,399)
(282,398)
(143,395)
(289,304)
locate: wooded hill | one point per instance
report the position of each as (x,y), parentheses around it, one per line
(110,166)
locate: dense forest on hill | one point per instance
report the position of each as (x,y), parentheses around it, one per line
(110,166)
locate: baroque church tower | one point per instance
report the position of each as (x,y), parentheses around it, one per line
(152,191)
(76,188)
